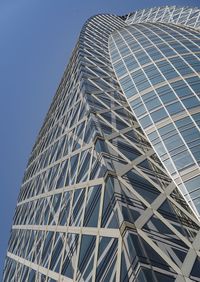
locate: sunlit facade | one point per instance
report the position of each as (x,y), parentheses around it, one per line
(158,67)
(96,202)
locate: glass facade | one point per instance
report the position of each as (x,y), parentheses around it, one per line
(96,203)
(158,67)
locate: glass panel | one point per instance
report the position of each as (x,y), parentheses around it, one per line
(92,206)
(86,258)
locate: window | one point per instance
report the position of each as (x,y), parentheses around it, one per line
(158,115)
(167,70)
(174,108)
(145,121)
(191,102)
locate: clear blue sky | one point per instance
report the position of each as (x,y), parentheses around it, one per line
(36,39)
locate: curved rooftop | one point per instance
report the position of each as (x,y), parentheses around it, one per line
(188,16)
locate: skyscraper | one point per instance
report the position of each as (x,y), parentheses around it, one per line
(98,202)
(157,65)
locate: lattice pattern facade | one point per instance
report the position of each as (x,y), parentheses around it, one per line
(188,16)
(96,203)
(158,68)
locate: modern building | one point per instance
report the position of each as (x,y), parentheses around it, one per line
(99,202)
(157,63)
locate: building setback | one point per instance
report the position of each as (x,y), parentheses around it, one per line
(98,202)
